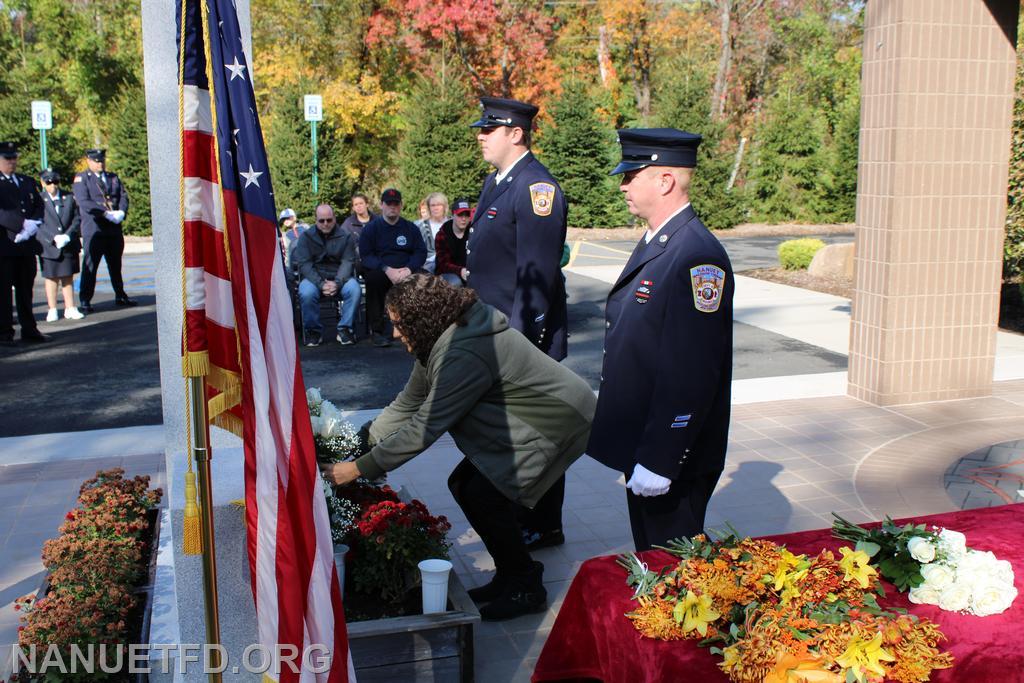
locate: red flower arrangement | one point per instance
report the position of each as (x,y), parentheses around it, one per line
(391,538)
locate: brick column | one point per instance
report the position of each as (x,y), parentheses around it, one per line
(937,92)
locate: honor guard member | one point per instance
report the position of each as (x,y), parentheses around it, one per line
(103,202)
(663,409)
(513,255)
(21,211)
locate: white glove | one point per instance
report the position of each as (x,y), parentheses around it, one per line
(61,241)
(29,228)
(647,483)
(118,216)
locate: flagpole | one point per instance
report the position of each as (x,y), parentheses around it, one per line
(201,453)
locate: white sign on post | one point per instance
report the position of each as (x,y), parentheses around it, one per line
(314,107)
(42,115)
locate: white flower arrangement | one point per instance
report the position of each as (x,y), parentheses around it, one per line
(959,579)
(335,437)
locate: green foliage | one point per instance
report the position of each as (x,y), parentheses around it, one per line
(438,150)
(1013,247)
(682,101)
(128,156)
(290,154)
(579,151)
(797,254)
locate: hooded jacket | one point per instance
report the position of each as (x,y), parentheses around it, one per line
(519,416)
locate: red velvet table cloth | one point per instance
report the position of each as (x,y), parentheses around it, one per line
(592,640)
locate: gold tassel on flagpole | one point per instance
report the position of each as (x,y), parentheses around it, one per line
(193,531)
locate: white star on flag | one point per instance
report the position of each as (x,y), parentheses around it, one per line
(251,177)
(236,69)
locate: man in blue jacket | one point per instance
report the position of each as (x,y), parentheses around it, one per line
(663,409)
(513,256)
(391,249)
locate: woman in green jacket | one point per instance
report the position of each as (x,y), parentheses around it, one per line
(519,417)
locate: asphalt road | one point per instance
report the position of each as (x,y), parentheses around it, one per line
(103,372)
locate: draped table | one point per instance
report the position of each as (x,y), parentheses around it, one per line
(592,640)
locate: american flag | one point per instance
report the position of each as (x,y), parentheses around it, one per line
(238,333)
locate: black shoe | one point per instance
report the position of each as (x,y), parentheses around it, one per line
(489,591)
(86,307)
(535,540)
(346,336)
(314,338)
(380,341)
(523,595)
(125,301)
(34,337)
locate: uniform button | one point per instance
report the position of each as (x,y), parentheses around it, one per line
(467,250)
(602,378)
(471,231)
(607,323)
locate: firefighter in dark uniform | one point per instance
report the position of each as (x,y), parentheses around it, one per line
(103,203)
(513,256)
(663,409)
(21,211)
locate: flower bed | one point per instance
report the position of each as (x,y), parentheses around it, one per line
(100,570)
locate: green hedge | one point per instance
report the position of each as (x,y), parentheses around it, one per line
(797,254)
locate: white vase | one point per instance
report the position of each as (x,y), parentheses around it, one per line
(340,551)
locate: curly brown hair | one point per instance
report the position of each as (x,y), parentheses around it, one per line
(423,306)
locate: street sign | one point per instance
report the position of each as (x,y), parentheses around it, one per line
(42,115)
(313,105)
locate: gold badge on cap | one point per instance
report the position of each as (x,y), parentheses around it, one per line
(708,281)
(542,196)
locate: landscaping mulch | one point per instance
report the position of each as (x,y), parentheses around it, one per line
(1011,305)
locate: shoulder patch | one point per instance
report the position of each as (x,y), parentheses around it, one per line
(707,281)
(542,196)
(78,178)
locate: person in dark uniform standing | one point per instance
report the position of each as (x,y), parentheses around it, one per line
(513,255)
(103,203)
(21,210)
(663,409)
(59,237)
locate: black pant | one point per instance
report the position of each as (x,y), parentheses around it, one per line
(547,514)
(17,271)
(377,287)
(102,245)
(680,512)
(493,516)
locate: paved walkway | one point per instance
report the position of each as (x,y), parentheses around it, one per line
(799,450)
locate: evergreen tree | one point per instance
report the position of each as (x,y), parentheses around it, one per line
(792,173)
(682,101)
(1013,247)
(578,150)
(128,156)
(438,151)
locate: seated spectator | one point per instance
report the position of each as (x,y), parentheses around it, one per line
(291,230)
(391,249)
(437,208)
(356,221)
(450,244)
(325,258)
(60,236)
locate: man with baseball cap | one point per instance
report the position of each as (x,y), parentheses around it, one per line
(663,408)
(21,211)
(391,249)
(450,244)
(103,203)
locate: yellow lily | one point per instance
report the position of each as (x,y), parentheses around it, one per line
(790,668)
(856,567)
(864,655)
(695,613)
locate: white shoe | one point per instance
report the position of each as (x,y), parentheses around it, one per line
(51,315)
(73,313)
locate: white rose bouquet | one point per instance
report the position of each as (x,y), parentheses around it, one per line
(935,567)
(335,438)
